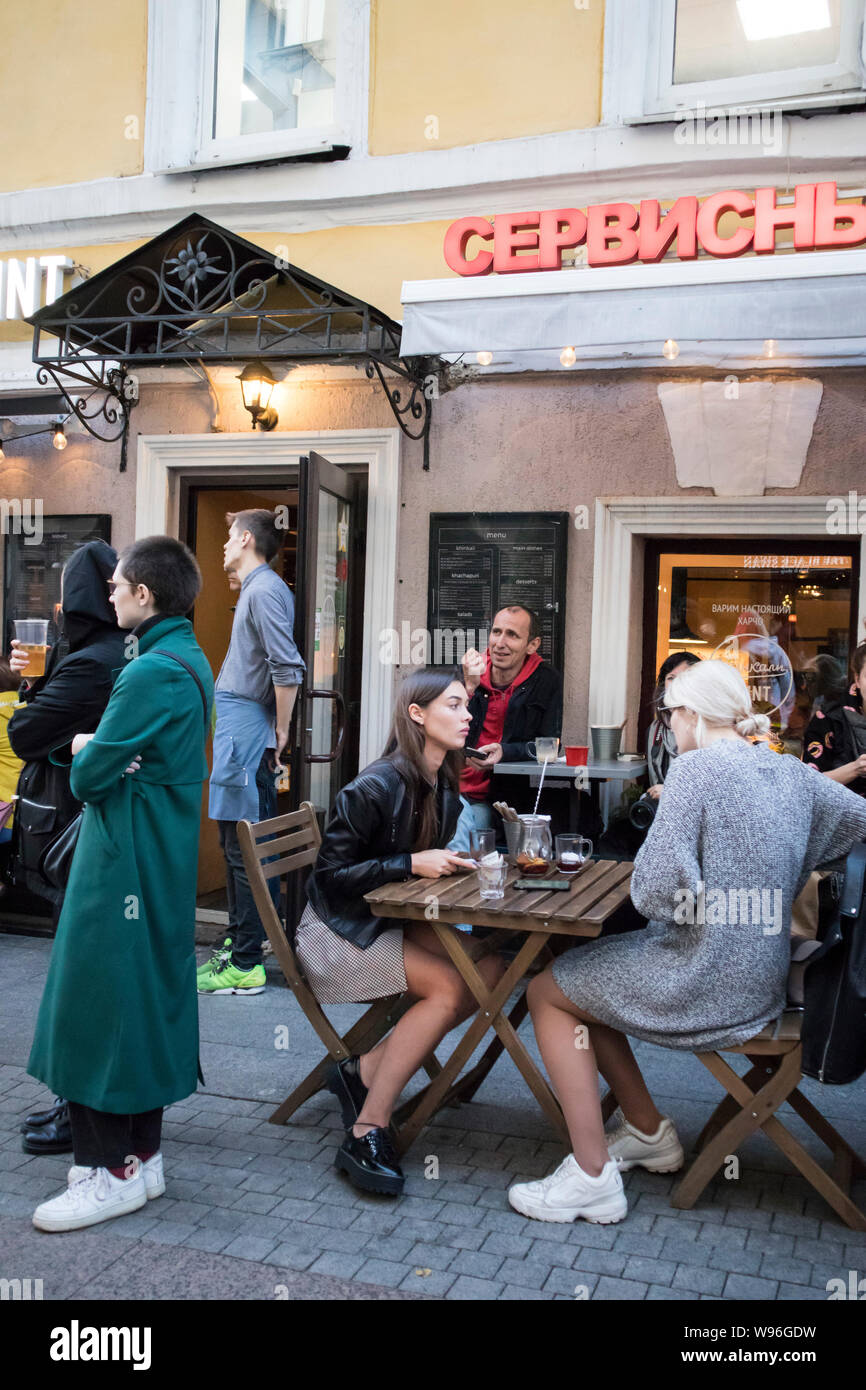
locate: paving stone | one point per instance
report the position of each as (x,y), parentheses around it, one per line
(694,1252)
(260,1202)
(854,1256)
(463,1237)
(628,1242)
(262,1182)
(549,1253)
(211,1241)
(503,1243)
(608,1288)
(770,1242)
(734,1260)
(551,1232)
(462,1192)
(750,1217)
(699,1279)
(818,1251)
(432,1256)
(797,1292)
(435,1284)
(657,1292)
(599,1261)
(672,1226)
(291,1207)
(338,1263)
(252,1247)
(478,1265)
(742,1286)
(349,1242)
(652,1271)
(179,1211)
(727,1237)
(388,1273)
(474,1290)
(571,1283)
(293,1256)
(514,1294)
(785,1269)
(168,1232)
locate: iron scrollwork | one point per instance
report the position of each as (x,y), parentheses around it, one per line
(112,398)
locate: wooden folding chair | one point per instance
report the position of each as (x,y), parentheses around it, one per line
(295,846)
(751,1104)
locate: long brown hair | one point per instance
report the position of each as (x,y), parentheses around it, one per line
(405,746)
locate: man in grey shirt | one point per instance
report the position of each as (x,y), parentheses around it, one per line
(254,698)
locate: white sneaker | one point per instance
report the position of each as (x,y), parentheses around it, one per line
(152,1171)
(570,1192)
(661,1152)
(98,1196)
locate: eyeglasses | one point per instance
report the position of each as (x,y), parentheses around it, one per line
(119,584)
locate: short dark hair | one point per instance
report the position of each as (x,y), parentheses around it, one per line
(262,526)
(534,621)
(858,657)
(168,568)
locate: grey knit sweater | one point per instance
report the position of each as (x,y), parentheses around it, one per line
(738,830)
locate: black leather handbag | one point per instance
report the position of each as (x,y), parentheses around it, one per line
(834,1013)
(56,859)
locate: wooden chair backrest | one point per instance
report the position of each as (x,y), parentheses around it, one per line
(295,844)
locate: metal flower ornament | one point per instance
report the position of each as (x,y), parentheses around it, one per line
(191,267)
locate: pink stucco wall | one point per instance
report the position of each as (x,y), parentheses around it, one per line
(549,443)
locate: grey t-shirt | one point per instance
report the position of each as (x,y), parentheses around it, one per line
(262,651)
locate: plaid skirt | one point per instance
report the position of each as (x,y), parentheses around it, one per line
(338,972)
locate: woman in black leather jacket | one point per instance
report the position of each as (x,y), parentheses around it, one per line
(395,819)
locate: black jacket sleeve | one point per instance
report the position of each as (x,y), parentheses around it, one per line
(344,866)
(72,702)
(542,716)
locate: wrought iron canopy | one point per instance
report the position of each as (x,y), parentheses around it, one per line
(200,291)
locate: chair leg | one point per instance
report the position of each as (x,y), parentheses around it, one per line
(725,1110)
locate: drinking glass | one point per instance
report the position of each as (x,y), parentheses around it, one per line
(544,750)
(482,842)
(491,879)
(32,633)
(572,852)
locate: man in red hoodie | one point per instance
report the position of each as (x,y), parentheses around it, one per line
(516,697)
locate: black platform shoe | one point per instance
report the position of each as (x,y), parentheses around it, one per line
(344,1082)
(44,1117)
(52,1138)
(370,1162)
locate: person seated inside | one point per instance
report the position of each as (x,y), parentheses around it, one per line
(515,698)
(709,971)
(661,746)
(394,820)
(831,742)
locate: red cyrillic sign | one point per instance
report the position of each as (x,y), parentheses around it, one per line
(619,233)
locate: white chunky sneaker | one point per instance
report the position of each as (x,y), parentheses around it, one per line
(152,1171)
(98,1196)
(661,1152)
(570,1192)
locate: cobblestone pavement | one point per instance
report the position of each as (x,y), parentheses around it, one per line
(256,1211)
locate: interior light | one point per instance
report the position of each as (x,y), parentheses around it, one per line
(773,19)
(59,441)
(568,357)
(484,358)
(257,385)
(671,349)
(771,347)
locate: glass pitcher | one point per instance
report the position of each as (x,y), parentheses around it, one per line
(534,845)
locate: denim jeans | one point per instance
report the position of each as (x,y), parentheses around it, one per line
(245,924)
(476,815)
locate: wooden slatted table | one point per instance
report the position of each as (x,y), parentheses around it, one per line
(594,895)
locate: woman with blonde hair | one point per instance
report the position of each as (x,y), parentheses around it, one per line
(737,833)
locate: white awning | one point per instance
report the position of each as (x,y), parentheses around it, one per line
(720,312)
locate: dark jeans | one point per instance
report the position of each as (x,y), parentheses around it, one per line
(245,925)
(100,1140)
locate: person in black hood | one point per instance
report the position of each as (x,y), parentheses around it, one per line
(69,699)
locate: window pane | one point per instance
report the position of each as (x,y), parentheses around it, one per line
(780,619)
(275,66)
(735,38)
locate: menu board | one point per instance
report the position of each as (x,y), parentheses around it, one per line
(483,561)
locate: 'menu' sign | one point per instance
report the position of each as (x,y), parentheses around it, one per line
(618,233)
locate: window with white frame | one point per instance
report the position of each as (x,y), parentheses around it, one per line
(235,81)
(667,57)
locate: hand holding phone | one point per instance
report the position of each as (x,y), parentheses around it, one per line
(475,753)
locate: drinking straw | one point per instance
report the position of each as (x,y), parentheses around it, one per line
(540,785)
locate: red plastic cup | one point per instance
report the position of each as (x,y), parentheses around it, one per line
(576,756)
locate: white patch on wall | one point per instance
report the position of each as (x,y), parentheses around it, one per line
(740,442)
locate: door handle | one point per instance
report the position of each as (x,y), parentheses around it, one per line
(341,726)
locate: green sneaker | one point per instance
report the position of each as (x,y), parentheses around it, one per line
(225,978)
(219,953)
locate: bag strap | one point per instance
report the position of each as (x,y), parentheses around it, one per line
(161,651)
(852,889)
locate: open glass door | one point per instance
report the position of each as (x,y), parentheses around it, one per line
(325,520)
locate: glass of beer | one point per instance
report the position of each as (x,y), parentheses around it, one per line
(32,634)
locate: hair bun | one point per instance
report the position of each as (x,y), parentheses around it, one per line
(752,724)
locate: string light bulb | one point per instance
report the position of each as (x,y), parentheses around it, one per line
(568,357)
(671,349)
(59,441)
(484,358)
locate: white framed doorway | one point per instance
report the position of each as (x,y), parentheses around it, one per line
(621,524)
(164,460)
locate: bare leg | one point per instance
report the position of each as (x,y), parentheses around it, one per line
(573,1049)
(443,1002)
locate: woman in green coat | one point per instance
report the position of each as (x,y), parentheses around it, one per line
(117,1031)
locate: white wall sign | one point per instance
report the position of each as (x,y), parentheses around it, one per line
(21,284)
